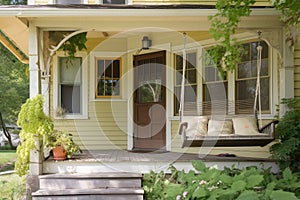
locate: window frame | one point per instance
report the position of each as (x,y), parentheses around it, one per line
(196,84)
(96,78)
(84,87)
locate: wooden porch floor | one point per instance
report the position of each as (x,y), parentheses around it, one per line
(126,161)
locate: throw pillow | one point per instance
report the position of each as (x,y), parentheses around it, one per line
(217,127)
(245,126)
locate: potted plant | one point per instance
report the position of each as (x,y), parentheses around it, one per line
(62,144)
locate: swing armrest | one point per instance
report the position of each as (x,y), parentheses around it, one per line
(269,128)
(182,127)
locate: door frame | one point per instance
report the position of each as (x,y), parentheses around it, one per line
(133,104)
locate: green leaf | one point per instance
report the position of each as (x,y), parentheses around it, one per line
(199,165)
(239,185)
(248,195)
(282,195)
(200,193)
(254,180)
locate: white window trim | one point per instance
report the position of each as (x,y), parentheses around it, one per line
(84,102)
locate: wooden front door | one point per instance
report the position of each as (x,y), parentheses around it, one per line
(150,101)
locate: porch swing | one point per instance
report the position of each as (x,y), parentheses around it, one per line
(240,130)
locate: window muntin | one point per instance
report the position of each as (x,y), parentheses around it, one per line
(70,84)
(246,77)
(190,85)
(215,87)
(108,72)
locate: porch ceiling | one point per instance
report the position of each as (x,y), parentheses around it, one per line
(17,33)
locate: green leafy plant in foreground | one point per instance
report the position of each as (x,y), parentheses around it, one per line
(211,183)
(35,124)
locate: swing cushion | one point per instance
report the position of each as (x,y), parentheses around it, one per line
(245,126)
(219,127)
(197,126)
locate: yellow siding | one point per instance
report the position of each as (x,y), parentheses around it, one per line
(256,152)
(202,2)
(103,129)
(39,2)
(297,71)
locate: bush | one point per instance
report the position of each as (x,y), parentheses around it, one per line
(230,183)
(287,150)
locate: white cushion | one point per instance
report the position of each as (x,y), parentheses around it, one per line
(245,126)
(197,126)
(219,127)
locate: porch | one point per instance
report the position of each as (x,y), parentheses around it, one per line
(140,162)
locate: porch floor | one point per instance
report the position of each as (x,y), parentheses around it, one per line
(137,162)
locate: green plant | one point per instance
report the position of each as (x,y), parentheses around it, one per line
(35,124)
(287,150)
(224,24)
(64,139)
(230,183)
(77,42)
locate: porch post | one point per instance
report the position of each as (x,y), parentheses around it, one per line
(35,167)
(286,74)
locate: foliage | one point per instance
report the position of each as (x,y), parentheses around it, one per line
(224,24)
(34,123)
(77,42)
(64,139)
(211,183)
(290,16)
(14,85)
(13,2)
(12,187)
(287,150)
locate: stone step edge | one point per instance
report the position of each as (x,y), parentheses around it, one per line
(103,191)
(98,175)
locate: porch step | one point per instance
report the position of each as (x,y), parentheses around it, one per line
(117,186)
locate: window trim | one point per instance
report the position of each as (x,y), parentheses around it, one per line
(92,84)
(96,78)
(84,89)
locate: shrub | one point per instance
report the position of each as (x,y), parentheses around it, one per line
(230,183)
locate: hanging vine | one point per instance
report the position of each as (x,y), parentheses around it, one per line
(228,53)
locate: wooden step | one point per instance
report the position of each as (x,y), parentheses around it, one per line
(91,194)
(90,181)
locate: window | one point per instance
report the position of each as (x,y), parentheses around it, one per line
(70,88)
(190,85)
(70,85)
(215,88)
(108,73)
(66,2)
(246,77)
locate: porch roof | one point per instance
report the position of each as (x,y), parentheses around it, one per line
(14,20)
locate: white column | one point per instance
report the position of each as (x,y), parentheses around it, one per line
(286,74)
(36,161)
(34,74)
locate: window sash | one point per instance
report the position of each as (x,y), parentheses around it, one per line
(108,77)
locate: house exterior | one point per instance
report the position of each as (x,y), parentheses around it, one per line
(117,95)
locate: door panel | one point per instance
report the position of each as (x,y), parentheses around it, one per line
(150,101)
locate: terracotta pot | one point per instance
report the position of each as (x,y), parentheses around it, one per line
(59,153)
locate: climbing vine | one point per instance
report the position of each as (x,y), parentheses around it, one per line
(228,53)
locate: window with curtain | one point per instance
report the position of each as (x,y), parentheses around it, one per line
(70,84)
(190,85)
(108,73)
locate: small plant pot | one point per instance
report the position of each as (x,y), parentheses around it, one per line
(59,153)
